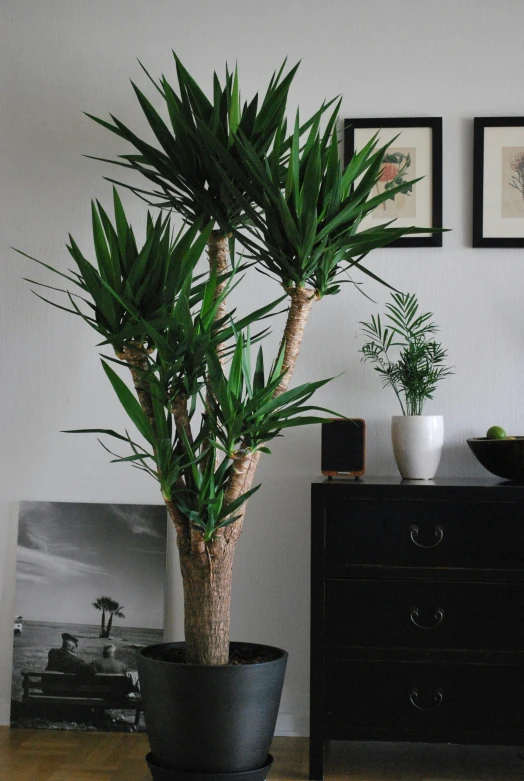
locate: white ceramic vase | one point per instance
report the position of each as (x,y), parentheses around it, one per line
(417,444)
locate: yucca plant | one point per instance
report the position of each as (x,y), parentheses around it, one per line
(203,412)
(161,319)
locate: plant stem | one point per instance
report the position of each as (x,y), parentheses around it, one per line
(217,251)
(218,262)
(207,567)
(136,358)
(181,416)
(399,399)
(302,299)
(245,465)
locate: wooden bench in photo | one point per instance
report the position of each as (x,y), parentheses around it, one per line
(101,691)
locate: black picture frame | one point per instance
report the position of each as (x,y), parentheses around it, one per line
(484,213)
(435,124)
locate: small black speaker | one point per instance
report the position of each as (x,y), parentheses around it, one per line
(344,447)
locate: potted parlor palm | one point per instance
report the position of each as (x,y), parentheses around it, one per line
(203,409)
(414,374)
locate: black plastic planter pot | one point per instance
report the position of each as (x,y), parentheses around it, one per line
(207,720)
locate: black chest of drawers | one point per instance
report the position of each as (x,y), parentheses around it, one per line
(417,612)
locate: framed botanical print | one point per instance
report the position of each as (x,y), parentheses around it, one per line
(498,182)
(415,152)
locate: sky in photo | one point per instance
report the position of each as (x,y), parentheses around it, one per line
(70,554)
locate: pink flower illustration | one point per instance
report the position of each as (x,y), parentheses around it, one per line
(389,172)
(518,162)
(395,165)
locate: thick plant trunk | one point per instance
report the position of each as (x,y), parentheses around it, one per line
(302,299)
(207,569)
(207,599)
(206,575)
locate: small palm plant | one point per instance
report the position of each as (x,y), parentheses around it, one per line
(420,364)
(202,412)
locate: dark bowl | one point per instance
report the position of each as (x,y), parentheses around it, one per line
(501,457)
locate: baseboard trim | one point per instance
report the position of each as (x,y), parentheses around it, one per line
(292,725)
(5,710)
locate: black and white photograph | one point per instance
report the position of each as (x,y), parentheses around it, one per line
(89,595)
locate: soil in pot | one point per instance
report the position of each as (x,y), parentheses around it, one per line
(239,653)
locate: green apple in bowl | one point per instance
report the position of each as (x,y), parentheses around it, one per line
(496,432)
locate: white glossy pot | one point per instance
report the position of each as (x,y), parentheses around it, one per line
(417,444)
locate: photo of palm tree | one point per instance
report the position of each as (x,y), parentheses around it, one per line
(108,605)
(89,595)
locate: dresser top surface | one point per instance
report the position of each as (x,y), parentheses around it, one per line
(494,487)
(397,480)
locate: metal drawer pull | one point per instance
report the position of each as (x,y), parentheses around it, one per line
(439,534)
(439,696)
(439,615)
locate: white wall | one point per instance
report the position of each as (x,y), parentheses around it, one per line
(453,58)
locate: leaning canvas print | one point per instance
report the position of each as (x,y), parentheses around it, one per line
(89,595)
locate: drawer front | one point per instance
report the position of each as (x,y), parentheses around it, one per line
(424,614)
(413,533)
(422,697)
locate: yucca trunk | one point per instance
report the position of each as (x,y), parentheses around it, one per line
(207,570)
(207,578)
(217,251)
(245,466)
(302,299)
(136,358)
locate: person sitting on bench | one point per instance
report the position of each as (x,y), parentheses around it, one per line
(108,663)
(65,660)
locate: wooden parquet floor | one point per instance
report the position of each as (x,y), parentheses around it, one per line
(47,755)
